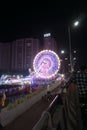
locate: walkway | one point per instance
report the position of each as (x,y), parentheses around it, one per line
(28,119)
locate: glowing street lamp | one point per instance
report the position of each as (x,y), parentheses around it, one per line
(62,51)
(76,23)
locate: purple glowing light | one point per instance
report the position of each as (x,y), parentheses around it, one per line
(46,64)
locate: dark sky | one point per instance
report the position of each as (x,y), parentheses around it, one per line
(19,20)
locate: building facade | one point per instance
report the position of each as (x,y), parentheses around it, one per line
(5,56)
(18,55)
(23,53)
(50,43)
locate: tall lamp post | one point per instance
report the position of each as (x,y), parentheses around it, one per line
(62,53)
(76,23)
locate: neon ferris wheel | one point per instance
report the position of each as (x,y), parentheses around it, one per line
(46,64)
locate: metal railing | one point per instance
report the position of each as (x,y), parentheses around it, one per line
(63,113)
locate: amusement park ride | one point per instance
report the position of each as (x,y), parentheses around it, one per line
(46,67)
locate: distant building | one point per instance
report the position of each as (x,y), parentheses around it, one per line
(18,55)
(0,55)
(49,42)
(5,56)
(23,53)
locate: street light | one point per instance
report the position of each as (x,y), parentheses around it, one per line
(62,51)
(76,23)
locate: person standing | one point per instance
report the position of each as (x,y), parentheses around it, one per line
(80,79)
(3,100)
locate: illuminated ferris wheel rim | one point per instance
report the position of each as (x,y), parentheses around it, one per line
(49,76)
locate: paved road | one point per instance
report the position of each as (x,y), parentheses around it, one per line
(28,119)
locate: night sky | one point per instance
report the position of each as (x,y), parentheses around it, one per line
(22,20)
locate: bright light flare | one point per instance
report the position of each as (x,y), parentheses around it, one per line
(62,51)
(76,23)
